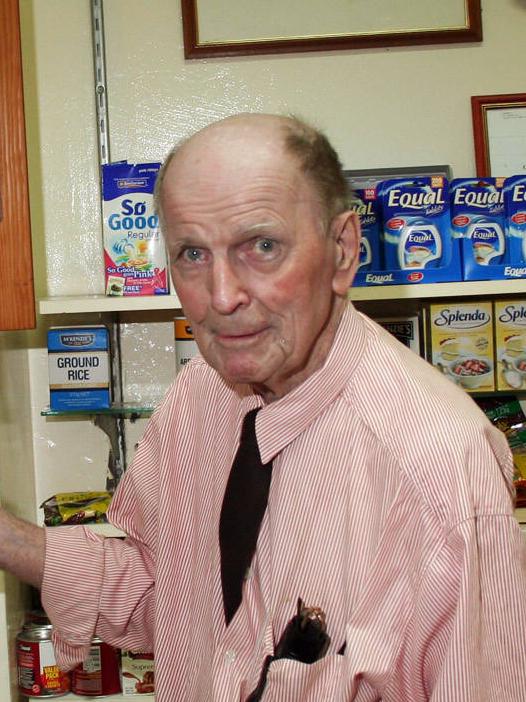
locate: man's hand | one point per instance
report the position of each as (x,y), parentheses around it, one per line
(22,548)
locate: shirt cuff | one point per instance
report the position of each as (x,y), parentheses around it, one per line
(71,587)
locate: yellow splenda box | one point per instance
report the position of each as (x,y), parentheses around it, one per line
(510,342)
(462,344)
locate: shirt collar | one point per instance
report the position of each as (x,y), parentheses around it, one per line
(281,421)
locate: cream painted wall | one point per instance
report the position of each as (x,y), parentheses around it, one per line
(381,108)
(386,107)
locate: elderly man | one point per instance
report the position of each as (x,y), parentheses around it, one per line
(389,509)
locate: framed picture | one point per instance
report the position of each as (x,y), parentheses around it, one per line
(499,133)
(243,27)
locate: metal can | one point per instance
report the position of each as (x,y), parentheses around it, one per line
(185,344)
(99,674)
(38,673)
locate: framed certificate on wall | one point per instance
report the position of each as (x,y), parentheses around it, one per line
(499,133)
(244,27)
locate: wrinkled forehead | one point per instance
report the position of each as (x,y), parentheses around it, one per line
(225,156)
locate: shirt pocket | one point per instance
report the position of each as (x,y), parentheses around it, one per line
(291,681)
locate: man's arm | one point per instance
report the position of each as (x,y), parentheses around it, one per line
(22,548)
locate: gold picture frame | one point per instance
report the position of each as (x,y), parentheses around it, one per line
(220,28)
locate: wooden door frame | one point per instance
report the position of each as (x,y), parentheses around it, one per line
(17,300)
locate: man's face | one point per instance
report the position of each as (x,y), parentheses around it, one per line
(253,267)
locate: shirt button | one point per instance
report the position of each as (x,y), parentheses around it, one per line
(249,573)
(230,657)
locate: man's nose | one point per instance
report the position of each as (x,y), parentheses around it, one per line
(229,287)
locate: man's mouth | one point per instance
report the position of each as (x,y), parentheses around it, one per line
(239,336)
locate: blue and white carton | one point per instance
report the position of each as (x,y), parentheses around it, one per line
(135,255)
(515,208)
(366,206)
(416,238)
(478,217)
(79,368)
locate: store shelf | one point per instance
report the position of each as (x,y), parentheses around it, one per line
(109,698)
(100,303)
(73,304)
(123,409)
(437,290)
(105,529)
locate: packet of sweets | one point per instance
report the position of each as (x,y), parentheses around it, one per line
(76,508)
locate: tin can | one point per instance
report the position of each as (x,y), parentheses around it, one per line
(99,674)
(36,616)
(38,673)
(185,344)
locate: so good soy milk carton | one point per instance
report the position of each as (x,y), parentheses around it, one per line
(134,249)
(462,344)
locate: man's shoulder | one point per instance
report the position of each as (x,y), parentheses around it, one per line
(408,401)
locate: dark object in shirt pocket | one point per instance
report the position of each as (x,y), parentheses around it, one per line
(304,639)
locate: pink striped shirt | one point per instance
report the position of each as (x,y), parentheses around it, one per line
(390,508)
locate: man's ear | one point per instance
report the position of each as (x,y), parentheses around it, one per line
(346,234)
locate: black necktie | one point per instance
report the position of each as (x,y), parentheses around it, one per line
(243,507)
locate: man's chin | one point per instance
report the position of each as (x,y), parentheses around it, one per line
(241,374)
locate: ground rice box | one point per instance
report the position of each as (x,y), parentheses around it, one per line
(79,368)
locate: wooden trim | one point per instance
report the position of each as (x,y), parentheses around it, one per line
(17,307)
(193,49)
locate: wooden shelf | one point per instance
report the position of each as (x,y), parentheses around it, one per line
(75,304)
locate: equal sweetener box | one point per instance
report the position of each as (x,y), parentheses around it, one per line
(134,250)
(79,369)
(366,206)
(416,239)
(510,340)
(462,344)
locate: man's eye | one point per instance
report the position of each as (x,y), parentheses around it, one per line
(265,246)
(192,255)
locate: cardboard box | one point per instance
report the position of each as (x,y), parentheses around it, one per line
(462,344)
(137,673)
(417,242)
(406,330)
(135,256)
(79,368)
(510,344)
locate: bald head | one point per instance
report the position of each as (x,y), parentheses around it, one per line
(246,140)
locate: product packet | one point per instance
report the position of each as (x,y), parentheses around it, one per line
(507,415)
(134,250)
(416,222)
(515,208)
(477,215)
(366,205)
(76,508)
(79,368)
(510,343)
(406,329)
(462,343)
(137,673)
